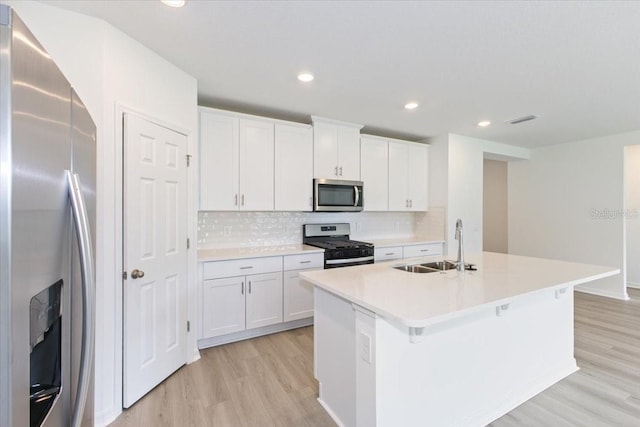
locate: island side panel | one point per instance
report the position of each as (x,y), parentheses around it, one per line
(334,353)
(471,370)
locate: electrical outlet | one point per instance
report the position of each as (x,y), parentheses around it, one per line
(365,347)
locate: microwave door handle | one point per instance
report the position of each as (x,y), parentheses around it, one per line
(355,187)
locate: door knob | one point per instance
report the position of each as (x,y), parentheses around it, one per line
(137,274)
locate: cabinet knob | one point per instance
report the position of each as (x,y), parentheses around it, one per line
(137,274)
(340,170)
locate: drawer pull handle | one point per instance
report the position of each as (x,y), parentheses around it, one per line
(246,268)
(305,262)
(390,253)
(424,250)
(242,289)
(249,286)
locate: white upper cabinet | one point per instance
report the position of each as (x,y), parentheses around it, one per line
(256,165)
(374,172)
(236,162)
(219,151)
(336,149)
(293,167)
(408,176)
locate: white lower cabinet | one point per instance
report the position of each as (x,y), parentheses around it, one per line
(387,253)
(240,295)
(242,301)
(427,249)
(223,311)
(233,304)
(298,293)
(263,300)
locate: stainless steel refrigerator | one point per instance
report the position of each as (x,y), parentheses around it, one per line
(47,221)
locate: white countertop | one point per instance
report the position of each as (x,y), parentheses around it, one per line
(254,252)
(418,300)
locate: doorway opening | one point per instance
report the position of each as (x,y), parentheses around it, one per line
(495,226)
(632,214)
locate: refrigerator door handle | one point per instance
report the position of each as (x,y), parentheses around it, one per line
(81,220)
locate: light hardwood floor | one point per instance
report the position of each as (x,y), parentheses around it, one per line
(268,381)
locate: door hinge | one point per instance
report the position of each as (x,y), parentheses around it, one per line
(188,243)
(188,160)
(188,326)
(124,275)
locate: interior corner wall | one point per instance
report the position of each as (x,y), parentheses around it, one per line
(632,211)
(109,70)
(567,202)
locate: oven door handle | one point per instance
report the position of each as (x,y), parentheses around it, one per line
(348,260)
(355,187)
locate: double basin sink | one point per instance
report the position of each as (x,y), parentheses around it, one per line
(431,267)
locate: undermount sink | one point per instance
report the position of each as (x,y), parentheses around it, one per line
(417,268)
(440,265)
(432,267)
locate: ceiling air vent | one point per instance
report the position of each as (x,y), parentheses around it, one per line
(521,119)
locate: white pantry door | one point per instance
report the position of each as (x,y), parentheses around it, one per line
(155,255)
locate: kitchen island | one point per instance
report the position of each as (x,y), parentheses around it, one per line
(444,348)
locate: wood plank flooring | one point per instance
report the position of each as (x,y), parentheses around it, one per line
(268,381)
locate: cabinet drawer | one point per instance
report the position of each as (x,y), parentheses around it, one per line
(304,261)
(422,250)
(384,254)
(241,267)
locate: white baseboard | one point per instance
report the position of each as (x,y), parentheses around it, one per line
(104,418)
(333,416)
(253,333)
(633,285)
(614,295)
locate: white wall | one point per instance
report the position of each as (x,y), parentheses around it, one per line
(495,216)
(566,203)
(459,184)
(111,73)
(632,208)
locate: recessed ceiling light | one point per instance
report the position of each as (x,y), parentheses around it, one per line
(484,123)
(305,77)
(411,105)
(174,3)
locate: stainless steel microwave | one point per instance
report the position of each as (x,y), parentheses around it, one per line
(333,195)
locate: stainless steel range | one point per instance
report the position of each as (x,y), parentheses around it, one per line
(340,251)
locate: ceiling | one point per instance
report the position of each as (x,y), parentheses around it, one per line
(575,65)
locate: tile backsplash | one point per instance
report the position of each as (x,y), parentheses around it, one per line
(250,229)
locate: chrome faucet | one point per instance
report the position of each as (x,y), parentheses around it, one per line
(460,260)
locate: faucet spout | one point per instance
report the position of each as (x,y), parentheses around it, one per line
(460,260)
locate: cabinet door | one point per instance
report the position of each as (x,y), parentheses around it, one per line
(293,168)
(223,306)
(418,177)
(298,297)
(398,177)
(256,165)
(348,153)
(218,162)
(374,173)
(264,300)
(325,150)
